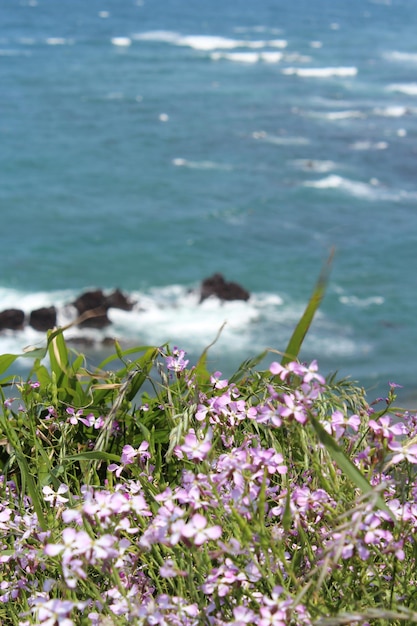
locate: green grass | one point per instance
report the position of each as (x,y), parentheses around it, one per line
(274,497)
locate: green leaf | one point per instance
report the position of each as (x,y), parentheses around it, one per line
(6,361)
(246,366)
(123,353)
(297,338)
(201,366)
(94,455)
(287,515)
(345,464)
(144,366)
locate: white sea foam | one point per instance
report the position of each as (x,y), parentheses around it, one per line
(342,115)
(123,42)
(355,188)
(27,301)
(271,57)
(174,313)
(248,57)
(296,57)
(257,29)
(401,57)
(334,345)
(201,165)
(409,89)
(393,111)
(239,57)
(207,43)
(314,165)
(369,145)
(164,36)
(58,41)
(320,72)
(277,43)
(280,140)
(372,190)
(362,302)
(10,52)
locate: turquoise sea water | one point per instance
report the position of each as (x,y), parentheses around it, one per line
(146,145)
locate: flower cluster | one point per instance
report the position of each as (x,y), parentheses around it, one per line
(237,519)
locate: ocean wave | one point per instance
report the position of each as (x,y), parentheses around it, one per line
(267,56)
(11,52)
(393,111)
(367,191)
(341,115)
(314,165)
(280,140)
(201,165)
(174,314)
(362,302)
(401,57)
(239,57)
(248,57)
(163,36)
(320,72)
(123,42)
(369,145)
(257,29)
(171,313)
(58,41)
(207,43)
(409,89)
(354,188)
(296,57)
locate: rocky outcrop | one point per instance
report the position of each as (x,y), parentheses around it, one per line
(118,300)
(90,300)
(217,286)
(12,319)
(95,304)
(43,319)
(91,305)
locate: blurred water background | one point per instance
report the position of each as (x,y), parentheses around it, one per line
(147,144)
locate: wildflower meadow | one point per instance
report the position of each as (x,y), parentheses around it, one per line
(149,491)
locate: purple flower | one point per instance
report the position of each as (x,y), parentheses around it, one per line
(54,612)
(176,362)
(55,498)
(403,452)
(217,382)
(195,531)
(193,447)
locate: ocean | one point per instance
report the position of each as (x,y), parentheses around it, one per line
(146,145)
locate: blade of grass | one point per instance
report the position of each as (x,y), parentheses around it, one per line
(246,366)
(346,465)
(297,338)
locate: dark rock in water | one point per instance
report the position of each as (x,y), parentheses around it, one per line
(97,299)
(95,318)
(12,319)
(217,286)
(118,300)
(84,342)
(96,304)
(90,300)
(92,304)
(43,319)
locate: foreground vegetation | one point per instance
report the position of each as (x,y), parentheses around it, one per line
(274,498)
